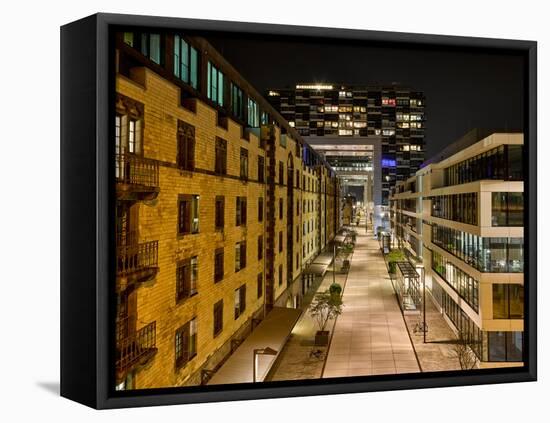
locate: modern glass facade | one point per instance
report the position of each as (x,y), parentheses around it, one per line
(504,162)
(468,329)
(466,286)
(507,209)
(495,346)
(457,207)
(503,346)
(491,255)
(507,301)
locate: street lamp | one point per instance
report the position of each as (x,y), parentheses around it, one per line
(256,353)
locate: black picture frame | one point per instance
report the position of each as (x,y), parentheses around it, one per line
(86,218)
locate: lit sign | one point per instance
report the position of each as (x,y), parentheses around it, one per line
(314,87)
(273,93)
(388,163)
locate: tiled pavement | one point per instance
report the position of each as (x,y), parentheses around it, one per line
(295,361)
(370,337)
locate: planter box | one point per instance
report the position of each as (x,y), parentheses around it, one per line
(321,338)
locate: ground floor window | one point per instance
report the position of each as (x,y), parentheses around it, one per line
(505,346)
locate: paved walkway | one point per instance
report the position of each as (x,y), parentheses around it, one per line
(437,353)
(370,337)
(295,361)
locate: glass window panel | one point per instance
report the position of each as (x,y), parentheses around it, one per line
(515,255)
(194,66)
(177,56)
(497,346)
(498,209)
(154,40)
(516,301)
(220,88)
(515,209)
(515,162)
(500,301)
(514,346)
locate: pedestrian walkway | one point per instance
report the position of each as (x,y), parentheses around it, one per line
(370,337)
(438,352)
(295,361)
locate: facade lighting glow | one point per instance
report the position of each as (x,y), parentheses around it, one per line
(314,87)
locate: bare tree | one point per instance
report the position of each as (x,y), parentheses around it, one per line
(464,354)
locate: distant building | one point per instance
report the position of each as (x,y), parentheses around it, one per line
(461,219)
(372,136)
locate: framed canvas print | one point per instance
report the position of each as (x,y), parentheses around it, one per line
(258,211)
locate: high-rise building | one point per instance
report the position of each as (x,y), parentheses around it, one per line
(220,207)
(373,136)
(460,219)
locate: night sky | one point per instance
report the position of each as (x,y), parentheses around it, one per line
(463,90)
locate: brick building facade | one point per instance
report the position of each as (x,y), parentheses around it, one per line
(220,206)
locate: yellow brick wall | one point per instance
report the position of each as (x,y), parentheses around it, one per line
(156,300)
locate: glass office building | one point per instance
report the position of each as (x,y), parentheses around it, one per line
(461,215)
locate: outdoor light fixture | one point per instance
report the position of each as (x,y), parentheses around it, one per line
(255,354)
(314,87)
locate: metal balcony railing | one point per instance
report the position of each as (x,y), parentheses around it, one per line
(134,170)
(135,257)
(134,347)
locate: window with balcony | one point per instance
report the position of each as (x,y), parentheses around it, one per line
(188,215)
(186,278)
(186,343)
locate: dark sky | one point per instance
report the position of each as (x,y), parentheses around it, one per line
(463,90)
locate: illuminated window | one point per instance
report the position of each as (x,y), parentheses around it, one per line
(129,38)
(151,47)
(253,114)
(186,343)
(185,62)
(215,81)
(240,301)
